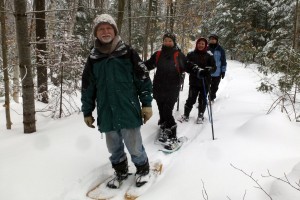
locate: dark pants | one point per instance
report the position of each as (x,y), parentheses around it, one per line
(215,81)
(194,92)
(165,108)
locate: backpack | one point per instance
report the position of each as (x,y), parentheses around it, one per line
(175,56)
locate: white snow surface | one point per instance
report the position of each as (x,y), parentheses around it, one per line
(65,158)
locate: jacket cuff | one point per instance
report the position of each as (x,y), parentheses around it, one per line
(87,114)
(146,105)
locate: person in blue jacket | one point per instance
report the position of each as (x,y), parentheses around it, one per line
(220,59)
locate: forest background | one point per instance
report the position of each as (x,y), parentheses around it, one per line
(44,44)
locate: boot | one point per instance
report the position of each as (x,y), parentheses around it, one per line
(172,140)
(200,118)
(173,133)
(142,174)
(121,174)
(183,118)
(162,134)
(187,111)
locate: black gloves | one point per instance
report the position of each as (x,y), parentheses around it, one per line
(223,75)
(203,73)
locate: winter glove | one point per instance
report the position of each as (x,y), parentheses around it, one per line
(146,113)
(89,121)
(223,75)
(203,73)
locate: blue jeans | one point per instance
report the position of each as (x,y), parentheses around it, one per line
(133,141)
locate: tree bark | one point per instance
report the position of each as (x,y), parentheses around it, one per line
(74,8)
(147,31)
(5,71)
(297,27)
(99,4)
(41,68)
(121,6)
(50,36)
(25,66)
(129,22)
(172,15)
(16,84)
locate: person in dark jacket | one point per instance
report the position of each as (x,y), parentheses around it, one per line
(115,79)
(170,63)
(199,87)
(220,59)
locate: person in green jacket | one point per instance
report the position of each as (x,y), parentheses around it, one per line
(116,80)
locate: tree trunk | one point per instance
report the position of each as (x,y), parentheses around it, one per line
(5,71)
(147,31)
(16,84)
(51,18)
(25,66)
(172,15)
(74,7)
(99,4)
(297,27)
(40,32)
(121,6)
(167,18)
(129,22)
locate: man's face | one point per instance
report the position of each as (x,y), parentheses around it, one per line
(212,40)
(168,42)
(105,32)
(201,45)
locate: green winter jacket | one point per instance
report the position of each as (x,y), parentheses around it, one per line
(116,83)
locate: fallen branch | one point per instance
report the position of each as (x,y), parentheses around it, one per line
(251,177)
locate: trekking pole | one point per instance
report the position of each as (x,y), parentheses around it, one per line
(209,109)
(178,100)
(180,89)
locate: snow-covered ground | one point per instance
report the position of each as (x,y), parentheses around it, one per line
(65,158)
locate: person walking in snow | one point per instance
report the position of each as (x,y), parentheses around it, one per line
(116,80)
(198,86)
(220,59)
(170,63)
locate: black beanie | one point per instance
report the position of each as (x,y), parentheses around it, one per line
(213,36)
(171,36)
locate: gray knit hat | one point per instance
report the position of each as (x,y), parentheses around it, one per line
(104,18)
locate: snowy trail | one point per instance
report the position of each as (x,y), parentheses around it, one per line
(64,159)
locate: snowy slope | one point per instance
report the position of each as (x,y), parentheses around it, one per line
(65,158)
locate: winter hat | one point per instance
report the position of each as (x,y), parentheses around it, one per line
(104,18)
(213,36)
(202,39)
(171,36)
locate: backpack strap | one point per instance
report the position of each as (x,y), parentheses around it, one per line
(176,61)
(157,56)
(175,57)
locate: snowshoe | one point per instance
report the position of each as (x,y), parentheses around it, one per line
(117,181)
(172,144)
(183,119)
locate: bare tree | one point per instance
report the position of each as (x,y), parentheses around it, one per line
(40,32)
(5,70)
(25,66)
(16,84)
(121,7)
(73,5)
(129,22)
(147,31)
(172,15)
(297,27)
